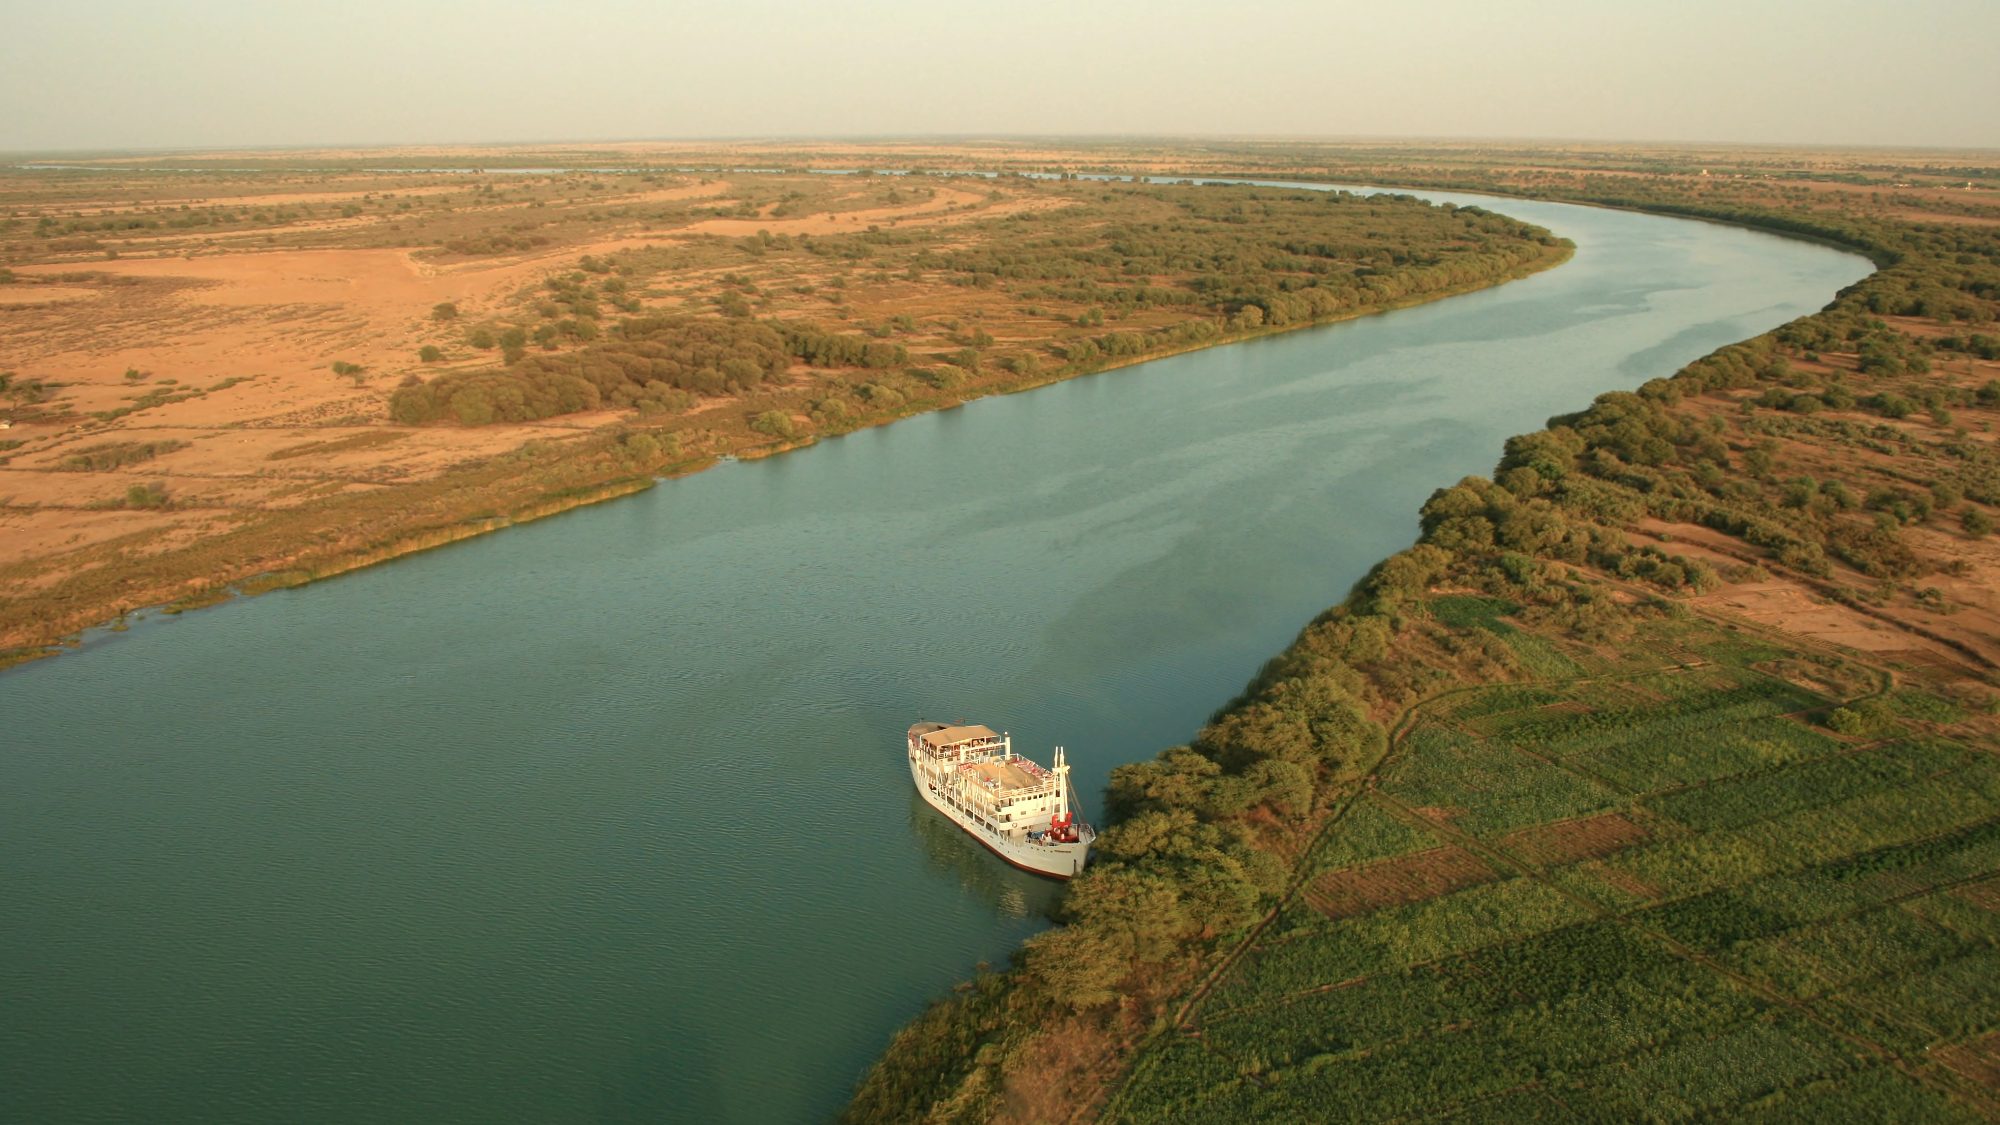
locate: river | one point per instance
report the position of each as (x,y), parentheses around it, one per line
(606,818)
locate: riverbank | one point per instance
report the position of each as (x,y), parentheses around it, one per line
(356,503)
(1294,910)
(496,795)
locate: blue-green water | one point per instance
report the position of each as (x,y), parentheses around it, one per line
(605,818)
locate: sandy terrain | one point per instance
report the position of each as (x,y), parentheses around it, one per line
(26,534)
(1693,541)
(1973,596)
(225,346)
(270,199)
(20,296)
(282,312)
(281,199)
(1788,608)
(272,322)
(673,195)
(1901,625)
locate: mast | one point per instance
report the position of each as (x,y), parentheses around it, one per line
(1062,784)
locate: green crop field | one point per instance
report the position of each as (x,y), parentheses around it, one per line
(1649,886)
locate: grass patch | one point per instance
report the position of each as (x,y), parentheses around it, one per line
(109,455)
(372,439)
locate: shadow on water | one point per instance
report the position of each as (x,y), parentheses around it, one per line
(949,852)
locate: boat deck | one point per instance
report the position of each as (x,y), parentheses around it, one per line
(1006,776)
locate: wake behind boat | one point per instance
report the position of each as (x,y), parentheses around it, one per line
(1023,813)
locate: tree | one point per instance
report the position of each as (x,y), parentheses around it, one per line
(776,423)
(412,406)
(472,406)
(1079,967)
(644,448)
(430,353)
(443,311)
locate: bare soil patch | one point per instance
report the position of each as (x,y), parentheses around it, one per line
(1567,841)
(1970,584)
(1621,880)
(1789,608)
(1976,1060)
(1984,894)
(1439,814)
(1694,541)
(283,198)
(20,296)
(673,194)
(1395,882)
(27,533)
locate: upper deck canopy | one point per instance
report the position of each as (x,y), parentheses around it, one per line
(952,736)
(1011,777)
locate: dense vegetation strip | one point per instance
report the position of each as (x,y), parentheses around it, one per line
(1511,831)
(1117,272)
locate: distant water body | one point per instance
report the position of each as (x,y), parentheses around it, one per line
(605,818)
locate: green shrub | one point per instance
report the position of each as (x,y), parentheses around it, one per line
(1891,405)
(776,423)
(146,496)
(115,455)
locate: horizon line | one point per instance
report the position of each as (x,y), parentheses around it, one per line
(1085,139)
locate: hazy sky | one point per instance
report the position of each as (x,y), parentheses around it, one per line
(173,73)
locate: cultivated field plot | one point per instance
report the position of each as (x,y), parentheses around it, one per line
(1649,891)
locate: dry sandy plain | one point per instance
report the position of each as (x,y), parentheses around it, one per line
(202,316)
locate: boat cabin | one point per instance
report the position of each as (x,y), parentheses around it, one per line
(955,744)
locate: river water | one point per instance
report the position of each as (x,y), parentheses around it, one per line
(606,818)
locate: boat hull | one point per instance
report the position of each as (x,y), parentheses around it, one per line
(1057,861)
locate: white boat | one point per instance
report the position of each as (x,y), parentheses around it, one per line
(1022,813)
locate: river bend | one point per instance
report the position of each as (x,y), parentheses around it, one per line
(605,818)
